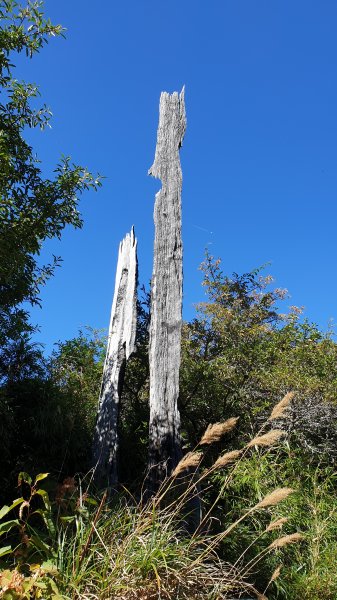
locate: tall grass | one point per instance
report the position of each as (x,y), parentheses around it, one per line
(308,570)
(244,543)
(131,549)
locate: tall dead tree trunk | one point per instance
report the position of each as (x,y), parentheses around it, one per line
(121,344)
(166,292)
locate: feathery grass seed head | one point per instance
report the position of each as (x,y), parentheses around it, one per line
(279,410)
(191,460)
(215,431)
(276,524)
(227,458)
(267,439)
(276,574)
(275,497)
(286,539)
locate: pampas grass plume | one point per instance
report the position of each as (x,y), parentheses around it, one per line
(191,460)
(267,439)
(276,524)
(286,539)
(215,431)
(227,458)
(275,497)
(279,410)
(276,574)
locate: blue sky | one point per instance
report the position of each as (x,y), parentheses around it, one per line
(259,157)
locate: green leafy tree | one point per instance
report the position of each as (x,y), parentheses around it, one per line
(48,410)
(224,346)
(32,208)
(241,354)
(76,370)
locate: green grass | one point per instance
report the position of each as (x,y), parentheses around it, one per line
(123,549)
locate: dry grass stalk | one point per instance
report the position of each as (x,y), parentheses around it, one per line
(191,460)
(267,439)
(275,497)
(286,539)
(279,410)
(277,524)
(215,431)
(227,458)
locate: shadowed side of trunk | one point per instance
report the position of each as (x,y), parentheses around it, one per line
(121,344)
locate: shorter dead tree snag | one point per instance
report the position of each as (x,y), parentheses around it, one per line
(121,344)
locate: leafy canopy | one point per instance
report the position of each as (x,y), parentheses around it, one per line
(32,208)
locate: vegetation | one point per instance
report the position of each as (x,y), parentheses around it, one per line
(266,481)
(32,208)
(127,547)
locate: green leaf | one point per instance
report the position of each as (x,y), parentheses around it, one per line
(68,519)
(28,586)
(41,476)
(53,586)
(5,550)
(92,501)
(24,478)
(8,525)
(16,503)
(41,585)
(6,509)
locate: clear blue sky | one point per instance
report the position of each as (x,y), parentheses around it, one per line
(260,152)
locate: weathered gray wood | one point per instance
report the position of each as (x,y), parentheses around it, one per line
(166,291)
(121,344)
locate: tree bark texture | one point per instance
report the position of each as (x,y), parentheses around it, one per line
(121,344)
(166,292)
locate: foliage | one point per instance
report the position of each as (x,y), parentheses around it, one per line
(32,208)
(34,502)
(144,542)
(30,544)
(49,410)
(307,570)
(134,413)
(123,548)
(314,576)
(76,370)
(240,353)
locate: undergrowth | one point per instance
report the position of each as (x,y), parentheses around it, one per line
(244,544)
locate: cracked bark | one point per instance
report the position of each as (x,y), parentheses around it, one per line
(121,344)
(166,292)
